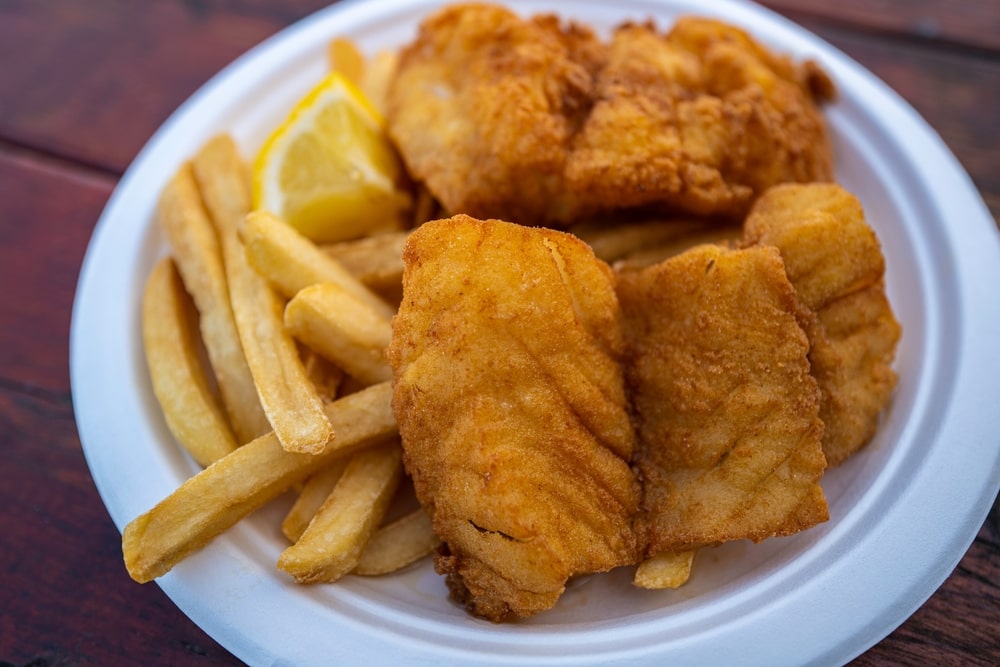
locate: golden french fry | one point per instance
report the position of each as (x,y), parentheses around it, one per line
(325,376)
(290,401)
(342,329)
(377,261)
(332,544)
(344,57)
(665,570)
(179,378)
(291,262)
(314,492)
(195,249)
(396,545)
(376,76)
(223,493)
(615,242)
(716,234)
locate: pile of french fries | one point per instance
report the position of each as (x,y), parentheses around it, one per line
(266,356)
(265,352)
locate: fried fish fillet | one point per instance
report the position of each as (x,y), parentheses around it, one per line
(700,121)
(540,122)
(509,394)
(483,108)
(726,410)
(834,260)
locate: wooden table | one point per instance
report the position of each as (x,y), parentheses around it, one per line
(82,87)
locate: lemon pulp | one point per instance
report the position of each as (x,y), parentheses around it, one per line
(328,169)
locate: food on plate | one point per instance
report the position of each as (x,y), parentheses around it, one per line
(180,380)
(667,569)
(700,120)
(834,260)
(311,497)
(196,251)
(397,544)
(341,328)
(291,262)
(377,261)
(726,410)
(377,348)
(328,170)
(540,122)
(332,544)
(293,407)
(509,395)
(217,497)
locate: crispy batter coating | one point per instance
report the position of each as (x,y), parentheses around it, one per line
(483,108)
(727,412)
(701,120)
(510,400)
(542,123)
(834,260)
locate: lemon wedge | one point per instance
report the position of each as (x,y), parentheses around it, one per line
(329,170)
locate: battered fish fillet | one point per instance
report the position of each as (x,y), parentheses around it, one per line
(834,260)
(726,410)
(543,123)
(484,106)
(700,121)
(509,394)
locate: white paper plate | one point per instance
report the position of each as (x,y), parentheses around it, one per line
(903,511)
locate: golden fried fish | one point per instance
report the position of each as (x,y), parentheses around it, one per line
(509,394)
(540,122)
(834,260)
(727,412)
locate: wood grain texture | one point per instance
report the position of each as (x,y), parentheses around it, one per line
(94,80)
(967,25)
(47,212)
(84,85)
(67,599)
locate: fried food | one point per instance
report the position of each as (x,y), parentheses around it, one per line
(700,120)
(510,400)
(180,380)
(727,412)
(332,544)
(289,399)
(483,108)
(244,480)
(540,122)
(834,260)
(343,329)
(195,249)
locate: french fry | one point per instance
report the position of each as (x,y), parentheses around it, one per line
(291,262)
(377,261)
(376,76)
(290,401)
(180,379)
(195,249)
(314,492)
(396,545)
(326,377)
(665,570)
(219,496)
(614,242)
(637,259)
(344,57)
(332,544)
(342,329)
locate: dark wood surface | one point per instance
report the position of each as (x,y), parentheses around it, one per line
(82,87)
